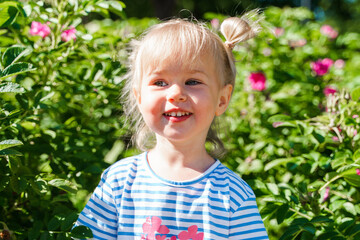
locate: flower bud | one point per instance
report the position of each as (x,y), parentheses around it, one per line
(257,81)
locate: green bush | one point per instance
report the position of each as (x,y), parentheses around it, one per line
(296,144)
(59,101)
(61,120)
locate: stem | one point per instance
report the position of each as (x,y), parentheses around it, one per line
(299,213)
(297,234)
(343,196)
(331,180)
(328,210)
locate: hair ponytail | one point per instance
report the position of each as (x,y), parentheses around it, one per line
(236,30)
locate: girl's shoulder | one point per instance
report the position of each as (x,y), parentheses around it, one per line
(234,180)
(124,166)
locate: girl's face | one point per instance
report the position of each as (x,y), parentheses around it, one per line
(179,102)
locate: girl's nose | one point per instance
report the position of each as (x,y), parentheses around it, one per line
(176,94)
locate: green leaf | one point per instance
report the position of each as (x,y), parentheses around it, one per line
(309,228)
(8,12)
(304,129)
(321,219)
(11,88)
(354,230)
(346,223)
(328,235)
(12,54)
(117,5)
(306,236)
(4,181)
(81,232)
(353,179)
(63,184)
(319,137)
(356,156)
(290,231)
(281,213)
(34,232)
(269,209)
(9,143)
(45,236)
(54,223)
(23,101)
(350,208)
(10,152)
(280,161)
(40,186)
(69,221)
(274,189)
(337,204)
(279,118)
(355,94)
(15,69)
(18,184)
(14,164)
(337,162)
(117,8)
(282,121)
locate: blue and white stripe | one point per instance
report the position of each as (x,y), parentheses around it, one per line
(218,202)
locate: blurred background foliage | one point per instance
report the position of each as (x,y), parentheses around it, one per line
(342,14)
(291,130)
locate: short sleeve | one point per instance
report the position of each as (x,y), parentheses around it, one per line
(246,222)
(100,213)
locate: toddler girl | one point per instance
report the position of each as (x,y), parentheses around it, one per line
(181,77)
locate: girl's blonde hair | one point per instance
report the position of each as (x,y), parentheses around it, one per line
(182,41)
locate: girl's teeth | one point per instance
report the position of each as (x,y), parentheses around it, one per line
(177,114)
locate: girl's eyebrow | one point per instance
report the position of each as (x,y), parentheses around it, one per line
(191,71)
(198,71)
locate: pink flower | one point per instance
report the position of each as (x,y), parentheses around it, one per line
(267,52)
(339,64)
(191,234)
(358,171)
(68,34)
(257,81)
(321,66)
(329,90)
(277,124)
(278,31)
(297,43)
(328,31)
(215,23)
(326,194)
(335,139)
(39,29)
(355,116)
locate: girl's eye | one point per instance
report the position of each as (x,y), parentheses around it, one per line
(192,82)
(160,83)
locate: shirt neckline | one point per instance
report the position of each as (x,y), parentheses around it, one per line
(180,183)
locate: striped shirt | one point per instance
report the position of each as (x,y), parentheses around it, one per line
(132,202)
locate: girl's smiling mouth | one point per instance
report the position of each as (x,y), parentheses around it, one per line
(177,115)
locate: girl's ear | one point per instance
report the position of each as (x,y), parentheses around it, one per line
(137,95)
(224,99)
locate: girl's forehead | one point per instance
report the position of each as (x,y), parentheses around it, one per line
(201,64)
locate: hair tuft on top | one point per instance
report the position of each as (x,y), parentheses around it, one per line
(236,30)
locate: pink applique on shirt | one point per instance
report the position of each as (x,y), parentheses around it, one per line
(153,225)
(191,234)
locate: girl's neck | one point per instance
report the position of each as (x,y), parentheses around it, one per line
(179,162)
